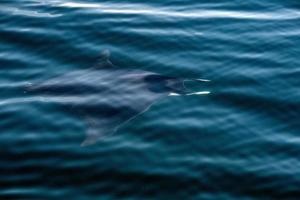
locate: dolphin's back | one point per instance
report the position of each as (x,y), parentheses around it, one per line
(106,98)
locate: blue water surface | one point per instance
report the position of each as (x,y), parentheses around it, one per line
(239,142)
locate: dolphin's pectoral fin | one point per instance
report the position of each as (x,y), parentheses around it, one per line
(96,130)
(100,128)
(103,60)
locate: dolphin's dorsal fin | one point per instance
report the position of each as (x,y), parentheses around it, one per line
(103,60)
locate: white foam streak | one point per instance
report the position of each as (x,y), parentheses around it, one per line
(148,10)
(199,93)
(174,94)
(80,5)
(30,13)
(193,93)
(202,80)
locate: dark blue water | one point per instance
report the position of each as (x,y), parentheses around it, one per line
(239,142)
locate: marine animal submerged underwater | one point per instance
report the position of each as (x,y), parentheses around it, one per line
(108,96)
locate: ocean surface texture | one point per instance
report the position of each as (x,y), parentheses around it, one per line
(241,141)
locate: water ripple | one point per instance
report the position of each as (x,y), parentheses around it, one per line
(241,141)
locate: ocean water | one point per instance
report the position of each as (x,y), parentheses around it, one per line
(241,141)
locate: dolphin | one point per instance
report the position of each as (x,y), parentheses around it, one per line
(107,96)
